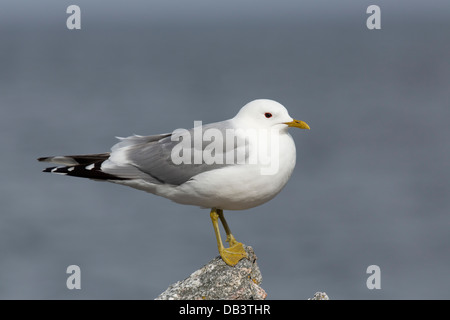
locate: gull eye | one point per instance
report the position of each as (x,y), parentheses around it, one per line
(268,115)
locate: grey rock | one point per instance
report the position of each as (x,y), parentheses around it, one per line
(219,281)
(320,296)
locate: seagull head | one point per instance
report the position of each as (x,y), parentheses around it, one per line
(267,114)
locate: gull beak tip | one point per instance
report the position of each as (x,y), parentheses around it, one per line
(298,124)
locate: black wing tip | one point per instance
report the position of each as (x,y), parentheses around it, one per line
(85,166)
(76,159)
(80,171)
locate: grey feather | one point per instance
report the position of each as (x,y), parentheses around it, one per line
(150,157)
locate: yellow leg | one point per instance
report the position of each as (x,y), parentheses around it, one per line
(236,251)
(230,239)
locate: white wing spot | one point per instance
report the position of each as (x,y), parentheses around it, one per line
(90,167)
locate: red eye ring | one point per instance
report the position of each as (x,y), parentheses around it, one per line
(268,115)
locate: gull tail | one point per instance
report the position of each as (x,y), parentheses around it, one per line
(83,166)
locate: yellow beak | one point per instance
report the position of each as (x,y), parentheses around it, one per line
(298,124)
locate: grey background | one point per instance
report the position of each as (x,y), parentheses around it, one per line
(371,183)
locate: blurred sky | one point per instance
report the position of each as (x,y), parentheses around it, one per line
(179,11)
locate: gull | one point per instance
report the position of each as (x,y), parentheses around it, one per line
(224,170)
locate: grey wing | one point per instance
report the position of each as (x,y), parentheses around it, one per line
(152,157)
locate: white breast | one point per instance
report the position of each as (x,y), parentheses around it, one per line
(238,187)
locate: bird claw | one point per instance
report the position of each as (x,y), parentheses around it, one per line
(234,253)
